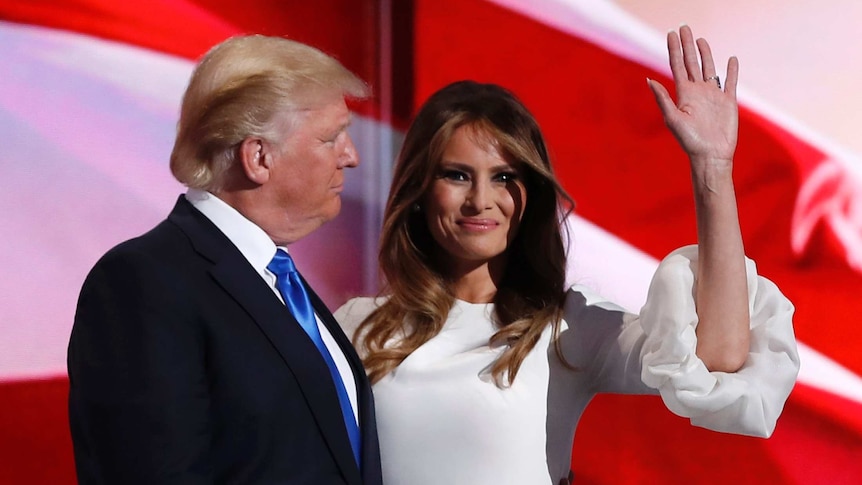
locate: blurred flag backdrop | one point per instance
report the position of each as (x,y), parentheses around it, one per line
(89,96)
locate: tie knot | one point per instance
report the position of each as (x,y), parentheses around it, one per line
(281,264)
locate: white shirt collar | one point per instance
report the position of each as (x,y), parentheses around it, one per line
(254,244)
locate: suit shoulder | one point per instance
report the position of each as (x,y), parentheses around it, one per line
(164,235)
(162,252)
(164,240)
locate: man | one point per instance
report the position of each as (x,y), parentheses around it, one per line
(188,362)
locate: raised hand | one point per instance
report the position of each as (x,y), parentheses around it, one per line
(705,117)
(705,121)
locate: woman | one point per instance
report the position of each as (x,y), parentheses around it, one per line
(483,362)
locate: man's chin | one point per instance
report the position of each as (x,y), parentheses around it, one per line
(331,212)
(335,208)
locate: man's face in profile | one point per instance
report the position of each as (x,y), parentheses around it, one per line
(307,169)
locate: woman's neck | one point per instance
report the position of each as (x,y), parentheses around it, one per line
(477,283)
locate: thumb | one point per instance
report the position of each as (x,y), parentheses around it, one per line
(662,98)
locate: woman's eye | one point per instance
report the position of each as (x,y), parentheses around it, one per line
(506,177)
(455,175)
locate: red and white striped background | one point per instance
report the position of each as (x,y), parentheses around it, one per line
(89,93)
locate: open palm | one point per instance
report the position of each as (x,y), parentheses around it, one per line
(705,117)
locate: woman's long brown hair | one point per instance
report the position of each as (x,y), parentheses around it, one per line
(530,295)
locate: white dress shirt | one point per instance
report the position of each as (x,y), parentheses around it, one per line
(258,249)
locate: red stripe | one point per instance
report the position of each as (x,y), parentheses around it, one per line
(346,29)
(36,446)
(808,446)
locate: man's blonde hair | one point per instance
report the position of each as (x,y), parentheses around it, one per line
(236,91)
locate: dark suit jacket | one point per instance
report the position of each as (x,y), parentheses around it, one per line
(186,368)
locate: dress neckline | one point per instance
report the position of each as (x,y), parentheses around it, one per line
(467,304)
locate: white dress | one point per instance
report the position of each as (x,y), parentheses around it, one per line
(442,420)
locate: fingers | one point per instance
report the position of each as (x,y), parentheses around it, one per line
(708,65)
(732,76)
(677,65)
(692,60)
(689,54)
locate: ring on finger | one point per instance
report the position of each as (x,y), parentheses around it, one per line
(716,79)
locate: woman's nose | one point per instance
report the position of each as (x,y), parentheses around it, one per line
(479,196)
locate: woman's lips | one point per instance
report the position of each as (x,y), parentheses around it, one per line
(477,224)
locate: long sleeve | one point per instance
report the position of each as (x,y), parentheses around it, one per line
(138,403)
(748,401)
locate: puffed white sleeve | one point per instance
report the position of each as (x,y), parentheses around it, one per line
(748,401)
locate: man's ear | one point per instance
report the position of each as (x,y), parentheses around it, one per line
(255,159)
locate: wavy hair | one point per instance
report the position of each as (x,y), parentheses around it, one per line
(236,91)
(532,290)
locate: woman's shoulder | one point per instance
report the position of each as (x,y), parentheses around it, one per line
(360,306)
(581,298)
(355,311)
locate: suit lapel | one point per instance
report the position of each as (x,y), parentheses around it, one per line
(233,273)
(338,334)
(367,417)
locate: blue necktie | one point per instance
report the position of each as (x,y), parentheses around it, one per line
(296,300)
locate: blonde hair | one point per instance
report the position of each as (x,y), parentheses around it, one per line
(531,294)
(237,89)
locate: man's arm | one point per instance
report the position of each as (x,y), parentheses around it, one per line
(138,402)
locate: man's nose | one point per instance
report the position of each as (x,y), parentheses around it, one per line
(350,156)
